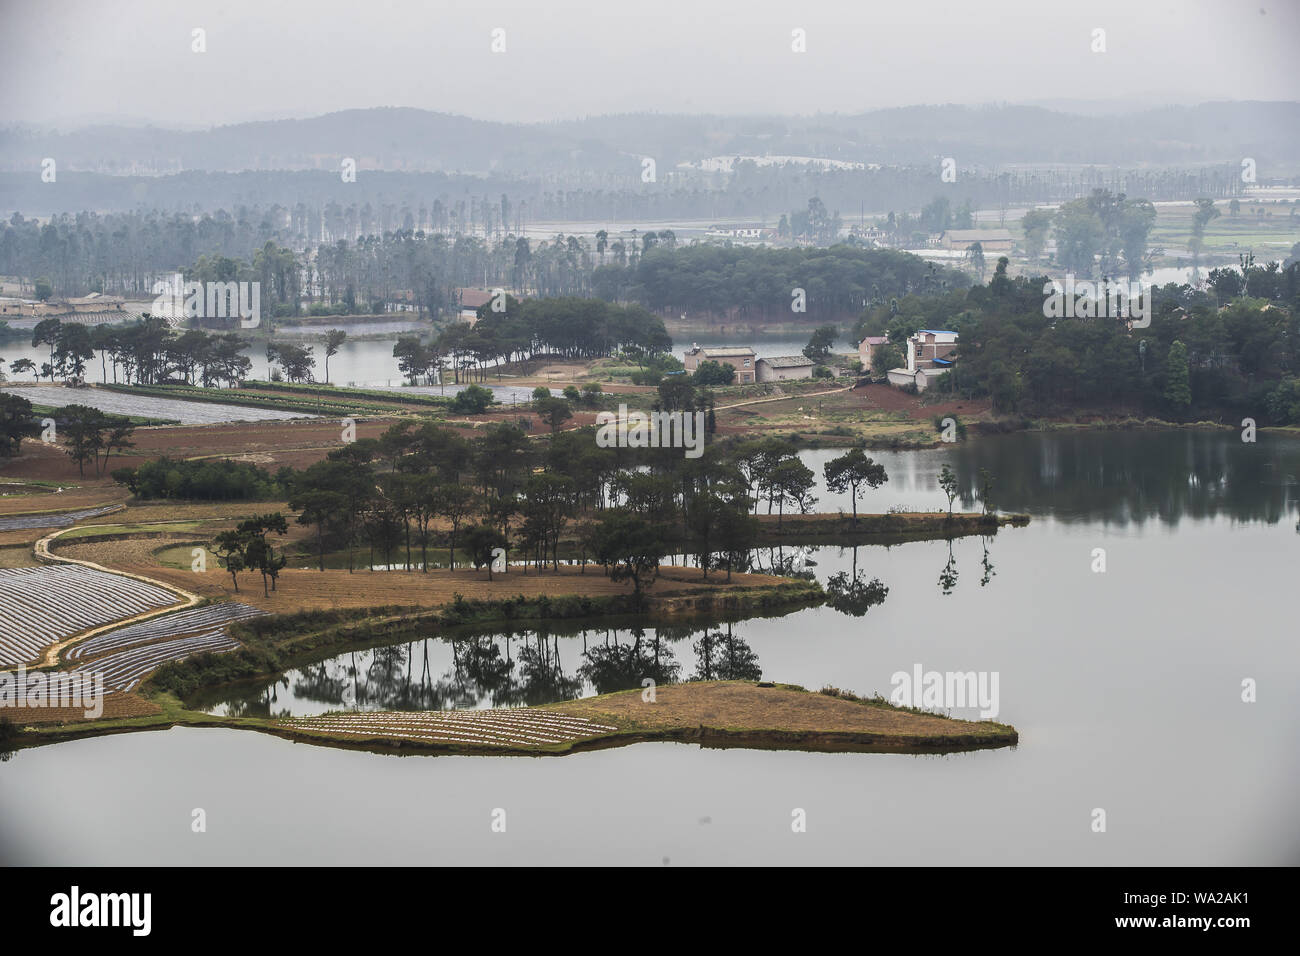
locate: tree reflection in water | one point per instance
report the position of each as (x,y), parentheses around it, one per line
(852,594)
(986,564)
(725,657)
(499,670)
(624,666)
(948,576)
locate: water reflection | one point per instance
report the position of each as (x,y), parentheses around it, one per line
(512,669)
(1111,477)
(851,593)
(948,576)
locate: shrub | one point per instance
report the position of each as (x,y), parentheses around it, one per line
(211,479)
(473,400)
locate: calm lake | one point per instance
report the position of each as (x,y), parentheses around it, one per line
(1125,687)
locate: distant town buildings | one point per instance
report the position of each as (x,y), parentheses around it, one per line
(93,309)
(741,359)
(871,235)
(990,240)
(752,231)
(471,300)
(928,354)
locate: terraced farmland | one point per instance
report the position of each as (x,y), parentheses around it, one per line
(124,669)
(205,619)
(42,606)
(60,520)
(148,406)
(523,727)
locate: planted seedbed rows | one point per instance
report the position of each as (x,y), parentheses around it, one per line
(124,669)
(41,606)
(169,625)
(498,728)
(60,520)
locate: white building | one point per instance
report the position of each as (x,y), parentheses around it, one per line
(928,354)
(784,368)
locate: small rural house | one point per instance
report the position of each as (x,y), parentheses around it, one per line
(867,347)
(742,359)
(990,240)
(784,368)
(470,302)
(928,354)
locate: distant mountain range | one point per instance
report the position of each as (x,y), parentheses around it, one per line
(412,140)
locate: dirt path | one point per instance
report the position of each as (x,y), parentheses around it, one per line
(43,553)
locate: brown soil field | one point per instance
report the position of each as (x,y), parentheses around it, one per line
(116,705)
(91,493)
(22,536)
(269,444)
(870,411)
(537,428)
(17,556)
(889,399)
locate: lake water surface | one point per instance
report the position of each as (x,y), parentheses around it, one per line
(1125,687)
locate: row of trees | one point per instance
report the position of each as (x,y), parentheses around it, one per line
(151,351)
(524,329)
(837,282)
(146,352)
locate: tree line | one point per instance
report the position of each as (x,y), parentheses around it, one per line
(525,328)
(839,281)
(146,352)
(1230,350)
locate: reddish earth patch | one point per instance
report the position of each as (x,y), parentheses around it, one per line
(116,705)
(269,444)
(889,399)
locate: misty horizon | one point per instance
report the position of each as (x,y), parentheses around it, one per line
(567,63)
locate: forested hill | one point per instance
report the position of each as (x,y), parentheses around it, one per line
(420,140)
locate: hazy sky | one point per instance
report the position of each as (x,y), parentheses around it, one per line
(64,62)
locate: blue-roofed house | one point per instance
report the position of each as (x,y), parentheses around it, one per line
(929,354)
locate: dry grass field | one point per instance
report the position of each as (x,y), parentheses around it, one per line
(741,705)
(302,589)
